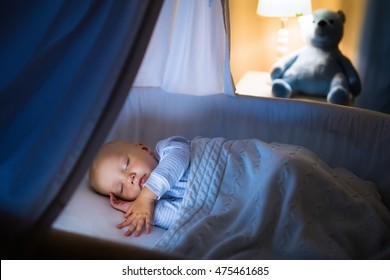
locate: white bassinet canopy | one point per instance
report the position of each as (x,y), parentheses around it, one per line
(187,51)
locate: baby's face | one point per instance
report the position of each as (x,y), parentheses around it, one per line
(123,170)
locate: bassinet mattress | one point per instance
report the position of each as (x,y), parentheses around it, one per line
(90,214)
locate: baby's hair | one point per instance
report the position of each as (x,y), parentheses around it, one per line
(92,175)
(93,170)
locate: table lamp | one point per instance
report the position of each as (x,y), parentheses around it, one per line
(283,9)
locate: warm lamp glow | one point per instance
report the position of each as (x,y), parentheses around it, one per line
(283,9)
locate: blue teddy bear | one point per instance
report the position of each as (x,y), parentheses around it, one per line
(318,69)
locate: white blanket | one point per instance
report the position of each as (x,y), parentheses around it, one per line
(247,199)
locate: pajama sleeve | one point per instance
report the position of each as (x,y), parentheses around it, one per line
(174,157)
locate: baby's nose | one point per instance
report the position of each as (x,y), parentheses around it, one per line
(131,178)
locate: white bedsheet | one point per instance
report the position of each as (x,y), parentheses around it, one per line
(90,214)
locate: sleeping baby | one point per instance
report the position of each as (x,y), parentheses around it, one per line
(147,185)
(242,198)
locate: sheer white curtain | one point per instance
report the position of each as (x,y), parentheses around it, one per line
(188,48)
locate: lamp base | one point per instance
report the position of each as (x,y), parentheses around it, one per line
(282,47)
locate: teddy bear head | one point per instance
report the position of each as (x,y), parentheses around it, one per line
(326,29)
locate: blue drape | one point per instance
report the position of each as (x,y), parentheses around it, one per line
(374,58)
(62,83)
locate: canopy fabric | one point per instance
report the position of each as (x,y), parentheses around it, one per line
(187,51)
(66,69)
(374,56)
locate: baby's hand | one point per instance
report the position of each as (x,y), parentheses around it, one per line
(140,213)
(120,204)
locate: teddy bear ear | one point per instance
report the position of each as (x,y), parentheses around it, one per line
(342,15)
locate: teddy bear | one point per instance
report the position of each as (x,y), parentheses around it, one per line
(319,68)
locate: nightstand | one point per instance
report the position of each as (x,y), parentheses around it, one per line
(258,83)
(255,83)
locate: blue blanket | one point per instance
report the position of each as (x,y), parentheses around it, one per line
(247,199)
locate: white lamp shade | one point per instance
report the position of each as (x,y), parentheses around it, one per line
(283,8)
